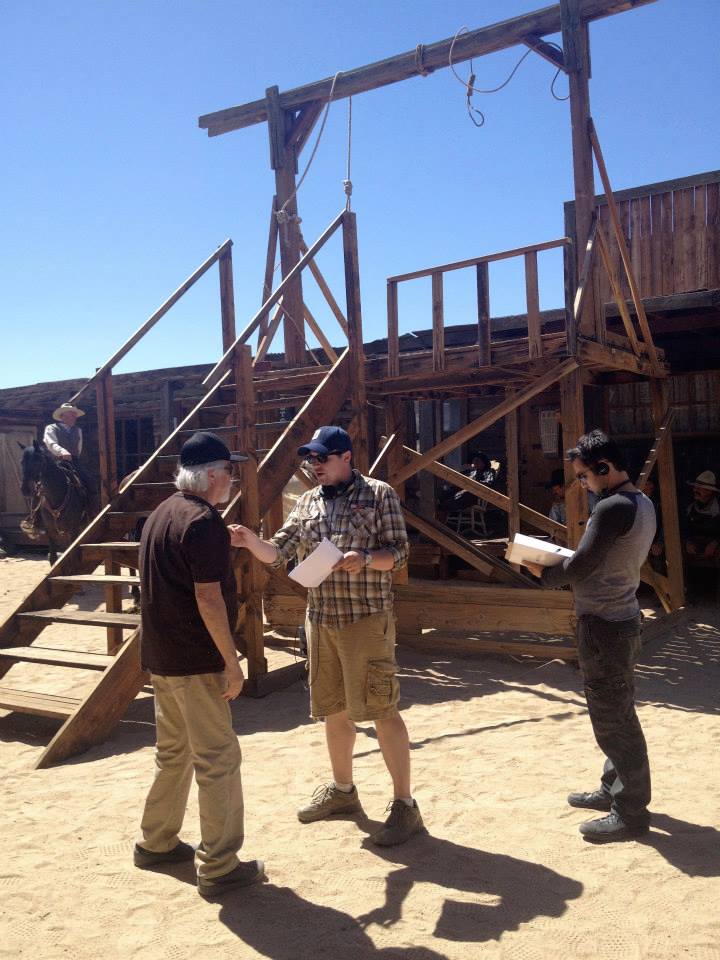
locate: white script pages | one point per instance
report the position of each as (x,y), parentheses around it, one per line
(536,551)
(318,566)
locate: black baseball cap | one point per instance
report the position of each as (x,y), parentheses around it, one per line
(206,447)
(327,440)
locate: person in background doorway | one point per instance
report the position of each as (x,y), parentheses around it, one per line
(556,485)
(702,519)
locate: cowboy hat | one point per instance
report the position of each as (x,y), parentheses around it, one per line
(67,407)
(705,479)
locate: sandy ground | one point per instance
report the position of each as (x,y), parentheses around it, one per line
(496,747)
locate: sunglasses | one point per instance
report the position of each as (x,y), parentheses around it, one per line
(312,458)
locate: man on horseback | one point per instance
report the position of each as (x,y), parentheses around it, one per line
(64,440)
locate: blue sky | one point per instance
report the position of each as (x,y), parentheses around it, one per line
(112,195)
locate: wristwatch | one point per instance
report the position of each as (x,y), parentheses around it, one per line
(368,557)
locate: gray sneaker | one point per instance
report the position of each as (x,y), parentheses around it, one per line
(243,875)
(403,822)
(328,801)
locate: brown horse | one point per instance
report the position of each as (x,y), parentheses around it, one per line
(59,501)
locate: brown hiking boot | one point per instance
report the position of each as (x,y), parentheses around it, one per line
(328,801)
(403,822)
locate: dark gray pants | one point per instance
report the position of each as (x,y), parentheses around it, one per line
(608,651)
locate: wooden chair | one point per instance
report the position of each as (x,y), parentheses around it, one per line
(469,520)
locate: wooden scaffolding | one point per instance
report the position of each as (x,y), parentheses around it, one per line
(266,408)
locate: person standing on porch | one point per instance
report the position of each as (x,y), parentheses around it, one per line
(350,625)
(604,573)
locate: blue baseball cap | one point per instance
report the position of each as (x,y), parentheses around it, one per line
(327,440)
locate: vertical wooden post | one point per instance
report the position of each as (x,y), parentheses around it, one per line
(269,266)
(108,482)
(438,322)
(572,415)
(284,163)
(227,299)
(250,573)
(513,470)
(106,438)
(668,498)
(576,50)
(355,342)
(570,277)
(483,310)
(532,299)
(395,423)
(393,337)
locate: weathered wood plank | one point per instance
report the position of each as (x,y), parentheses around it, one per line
(483,314)
(475,43)
(438,322)
(393,358)
(532,299)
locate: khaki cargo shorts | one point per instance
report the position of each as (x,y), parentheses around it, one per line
(352,667)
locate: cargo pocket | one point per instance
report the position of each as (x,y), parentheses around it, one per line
(383,689)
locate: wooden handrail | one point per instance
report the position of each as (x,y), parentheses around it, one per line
(487,258)
(273,299)
(152,320)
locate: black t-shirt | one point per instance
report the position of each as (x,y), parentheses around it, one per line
(184,542)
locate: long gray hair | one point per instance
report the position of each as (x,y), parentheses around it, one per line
(195,479)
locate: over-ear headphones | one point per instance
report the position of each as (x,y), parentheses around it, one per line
(601,470)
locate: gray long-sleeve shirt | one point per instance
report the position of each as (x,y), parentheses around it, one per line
(61,440)
(604,571)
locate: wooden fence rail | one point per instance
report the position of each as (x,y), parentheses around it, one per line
(528,253)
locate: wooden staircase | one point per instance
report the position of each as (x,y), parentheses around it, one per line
(273,460)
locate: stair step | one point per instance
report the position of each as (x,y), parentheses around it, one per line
(39,704)
(59,658)
(102,578)
(91,618)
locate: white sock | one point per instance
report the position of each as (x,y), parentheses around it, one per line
(408,801)
(343,787)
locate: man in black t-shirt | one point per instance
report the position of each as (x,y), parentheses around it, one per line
(188,612)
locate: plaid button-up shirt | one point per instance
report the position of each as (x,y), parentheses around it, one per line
(368,516)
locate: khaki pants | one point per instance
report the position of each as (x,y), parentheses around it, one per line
(194,731)
(353,668)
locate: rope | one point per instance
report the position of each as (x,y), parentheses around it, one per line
(281,215)
(476,115)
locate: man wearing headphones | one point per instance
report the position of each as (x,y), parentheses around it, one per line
(604,573)
(350,625)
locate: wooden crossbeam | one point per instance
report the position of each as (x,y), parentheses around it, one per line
(651,459)
(617,290)
(624,252)
(325,290)
(585,273)
(497,499)
(280,462)
(486,420)
(477,558)
(475,43)
(387,445)
(268,335)
(274,297)
(317,330)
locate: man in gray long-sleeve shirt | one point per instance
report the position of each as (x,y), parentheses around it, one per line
(604,573)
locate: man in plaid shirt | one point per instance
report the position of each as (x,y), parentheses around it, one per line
(350,626)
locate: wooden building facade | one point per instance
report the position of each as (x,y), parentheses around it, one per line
(414,406)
